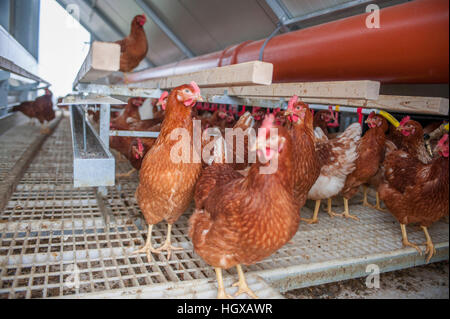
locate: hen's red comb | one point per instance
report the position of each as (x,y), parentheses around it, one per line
(293,100)
(163,96)
(195,87)
(371,115)
(140,146)
(404,120)
(443,140)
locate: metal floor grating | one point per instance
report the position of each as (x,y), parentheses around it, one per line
(13,145)
(49,226)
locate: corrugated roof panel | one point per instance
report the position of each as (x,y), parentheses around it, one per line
(299,8)
(89,18)
(227,22)
(188,29)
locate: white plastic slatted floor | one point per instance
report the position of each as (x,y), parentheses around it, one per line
(51,233)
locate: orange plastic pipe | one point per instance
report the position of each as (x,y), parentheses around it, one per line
(411,46)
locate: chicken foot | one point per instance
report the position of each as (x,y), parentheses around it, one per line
(148,245)
(167,245)
(346,212)
(313,220)
(330,210)
(405,240)
(127,174)
(242,284)
(221,293)
(430,246)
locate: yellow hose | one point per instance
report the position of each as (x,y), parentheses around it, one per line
(446,127)
(389,117)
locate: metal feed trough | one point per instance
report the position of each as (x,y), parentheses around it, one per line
(93,163)
(54,242)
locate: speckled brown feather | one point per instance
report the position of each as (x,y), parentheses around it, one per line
(336,159)
(219,173)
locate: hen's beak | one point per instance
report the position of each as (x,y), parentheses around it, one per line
(199,98)
(136,150)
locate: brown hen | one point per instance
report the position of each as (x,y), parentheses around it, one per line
(306,162)
(415,192)
(166,184)
(130,113)
(132,148)
(325,119)
(236,221)
(41,108)
(134,47)
(370,155)
(337,160)
(408,136)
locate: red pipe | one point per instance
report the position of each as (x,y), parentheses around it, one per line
(411,46)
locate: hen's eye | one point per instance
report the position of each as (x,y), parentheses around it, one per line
(186,91)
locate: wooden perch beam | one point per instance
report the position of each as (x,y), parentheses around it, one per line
(391,103)
(248,73)
(339,89)
(394,103)
(103,59)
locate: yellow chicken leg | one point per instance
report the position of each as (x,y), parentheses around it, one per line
(430,246)
(242,284)
(127,174)
(329,210)
(221,293)
(365,202)
(346,212)
(405,240)
(167,245)
(378,206)
(316,213)
(148,245)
